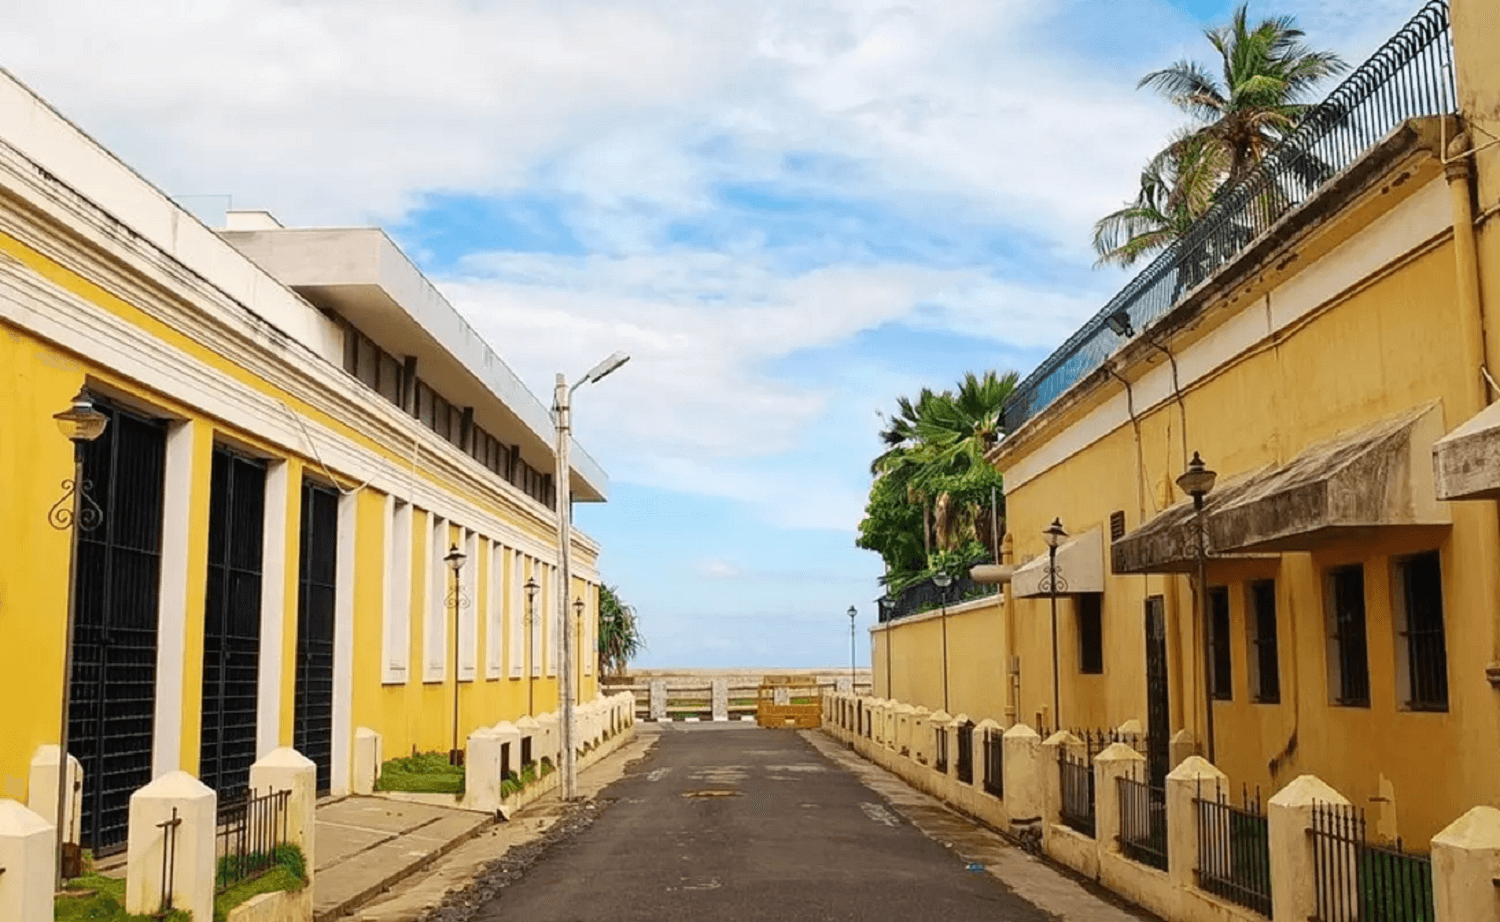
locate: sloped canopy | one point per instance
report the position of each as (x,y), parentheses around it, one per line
(1080,568)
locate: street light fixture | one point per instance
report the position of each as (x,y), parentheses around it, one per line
(943,581)
(455,561)
(852,614)
(532,588)
(76,511)
(1196,482)
(578,618)
(1054,535)
(562,397)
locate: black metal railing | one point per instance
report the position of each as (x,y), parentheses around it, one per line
(1234,849)
(1410,76)
(994,763)
(965,760)
(1076,777)
(169,830)
(250,831)
(1143,822)
(940,749)
(926,596)
(1096,741)
(1359,881)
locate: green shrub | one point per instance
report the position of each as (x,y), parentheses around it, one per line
(424,773)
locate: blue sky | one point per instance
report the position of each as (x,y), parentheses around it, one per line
(789,212)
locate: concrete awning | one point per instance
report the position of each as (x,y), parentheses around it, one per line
(1361,483)
(1355,486)
(1080,568)
(1466,461)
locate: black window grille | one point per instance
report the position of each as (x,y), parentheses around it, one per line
(1355,879)
(1264,663)
(965,758)
(1143,822)
(994,763)
(1234,849)
(312,729)
(940,749)
(1221,676)
(112,707)
(1421,578)
(1090,609)
(231,623)
(1076,775)
(1350,655)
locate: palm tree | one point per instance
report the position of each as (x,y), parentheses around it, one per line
(1266,76)
(620,636)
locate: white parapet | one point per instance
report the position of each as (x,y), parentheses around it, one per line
(286,769)
(1465,867)
(547,739)
(368,757)
(41,789)
(720,699)
(176,812)
(1117,761)
(27,855)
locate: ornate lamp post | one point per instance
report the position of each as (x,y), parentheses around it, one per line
(943,581)
(578,632)
(76,511)
(1054,536)
(532,588)
(455,561)
(1196,482)
(852,614)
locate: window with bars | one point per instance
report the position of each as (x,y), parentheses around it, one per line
(1348,655)
(1265,667)
(1090,609)
(1421,644)
(1221,676)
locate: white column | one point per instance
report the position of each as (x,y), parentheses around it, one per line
(1184,782)
(1023,774)
(172,613)
(273,580)
(396,628)
(181,797)
(343,644)
(1115,762)
(286,769)
(368,758)
(41,789)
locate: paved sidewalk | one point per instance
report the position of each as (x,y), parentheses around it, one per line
(363,845)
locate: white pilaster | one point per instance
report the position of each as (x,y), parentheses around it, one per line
(172,613)
(272,609)
(343,644)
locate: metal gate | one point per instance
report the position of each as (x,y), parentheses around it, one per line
(1158,710)
(111,715)
(312,729)
(231,623)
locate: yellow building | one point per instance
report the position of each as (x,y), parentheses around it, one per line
(299,430)
(1332,361)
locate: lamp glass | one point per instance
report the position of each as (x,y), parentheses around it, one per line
(578,607)
(852,612)
(80,422)
(1055,534)
(455,558)
(1197,480)
(943,580)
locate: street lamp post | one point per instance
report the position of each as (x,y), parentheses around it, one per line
(1054,536)
(943,581)
(455,561)
(76,511)
(532,588)
(561,399)
(852,613)
(1196,482)
(578,627)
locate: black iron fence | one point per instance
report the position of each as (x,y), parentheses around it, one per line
(1143,822)
(1234,849)
(250,831)
(1359,881)
(169,830)
(940,751)
(926,596)
(994,763)
(1076,775)
(1409,76)
(965,766)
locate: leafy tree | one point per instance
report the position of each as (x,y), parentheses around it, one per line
(1266,76)
(620,637)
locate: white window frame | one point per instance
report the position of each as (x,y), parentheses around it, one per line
(494,623)
(516,649)
(434,624)
(396,638)
(470,606)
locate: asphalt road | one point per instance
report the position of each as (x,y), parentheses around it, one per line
(729,823)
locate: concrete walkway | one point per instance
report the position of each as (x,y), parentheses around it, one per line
(363,845)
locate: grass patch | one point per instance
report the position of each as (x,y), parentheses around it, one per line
(531,772)
(108,902)
(424,773)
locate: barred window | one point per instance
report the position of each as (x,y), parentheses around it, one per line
(1221,678)
(1265,666)
(1421,644)
(1090,609)
(1348,654)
